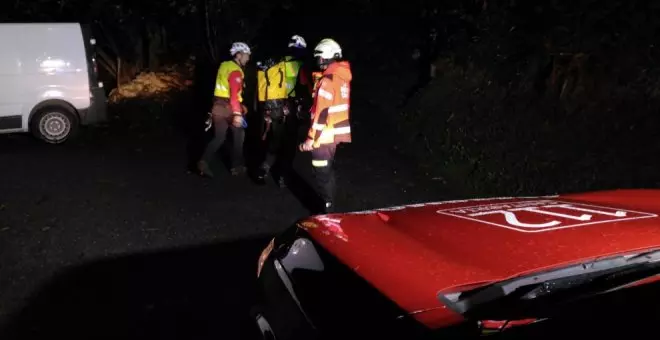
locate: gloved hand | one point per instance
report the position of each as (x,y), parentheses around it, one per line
(208,123)
(237,120)
(307,145)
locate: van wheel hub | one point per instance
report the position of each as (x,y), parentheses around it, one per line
(54,126)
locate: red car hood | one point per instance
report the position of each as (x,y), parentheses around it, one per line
(412,253)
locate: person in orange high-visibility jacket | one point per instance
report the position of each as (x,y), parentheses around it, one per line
(330,117)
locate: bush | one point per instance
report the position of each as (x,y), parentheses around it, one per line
(518,110)
(157,86)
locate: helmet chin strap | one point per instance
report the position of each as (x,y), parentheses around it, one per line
(322,62)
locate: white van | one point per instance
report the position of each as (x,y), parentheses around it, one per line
(49,80)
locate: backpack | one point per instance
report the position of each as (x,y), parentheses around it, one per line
(271,81)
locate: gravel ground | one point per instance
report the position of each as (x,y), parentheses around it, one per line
(110,237)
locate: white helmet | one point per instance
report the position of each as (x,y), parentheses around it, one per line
(239,47)
(327,49)
(297,42)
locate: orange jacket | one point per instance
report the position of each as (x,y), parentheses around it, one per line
(330,118)
(316,76)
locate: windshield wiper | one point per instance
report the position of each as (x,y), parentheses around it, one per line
(593,283)
(557,285)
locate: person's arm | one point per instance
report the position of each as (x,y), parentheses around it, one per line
(305,79)
(235,87)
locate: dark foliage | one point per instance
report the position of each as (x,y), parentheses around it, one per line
(542,98)
(528,97)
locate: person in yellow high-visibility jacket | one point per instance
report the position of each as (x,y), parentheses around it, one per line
(228,110)
(282,114)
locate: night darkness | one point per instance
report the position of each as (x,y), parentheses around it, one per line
(113,235)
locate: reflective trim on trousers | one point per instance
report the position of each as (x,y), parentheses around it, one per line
(319,164)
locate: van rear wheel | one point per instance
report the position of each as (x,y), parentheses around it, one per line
(54,125)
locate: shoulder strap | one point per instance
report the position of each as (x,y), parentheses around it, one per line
(281,72)
(265,71)
(266,76)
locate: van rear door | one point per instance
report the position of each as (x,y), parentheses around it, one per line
(97,111)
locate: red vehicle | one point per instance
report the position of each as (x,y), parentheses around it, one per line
(463,268)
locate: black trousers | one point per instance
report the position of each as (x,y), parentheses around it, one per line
(221,126)
(279,146)
(324,174)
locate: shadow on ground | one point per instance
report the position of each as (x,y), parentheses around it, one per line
(206,293)
(197,293)
(304,193)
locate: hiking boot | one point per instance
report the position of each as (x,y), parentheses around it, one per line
(204,169)
(259,176)
(262,172)
(329,208)
(238,170)
(281,183)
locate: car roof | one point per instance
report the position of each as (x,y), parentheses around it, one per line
(442,246)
